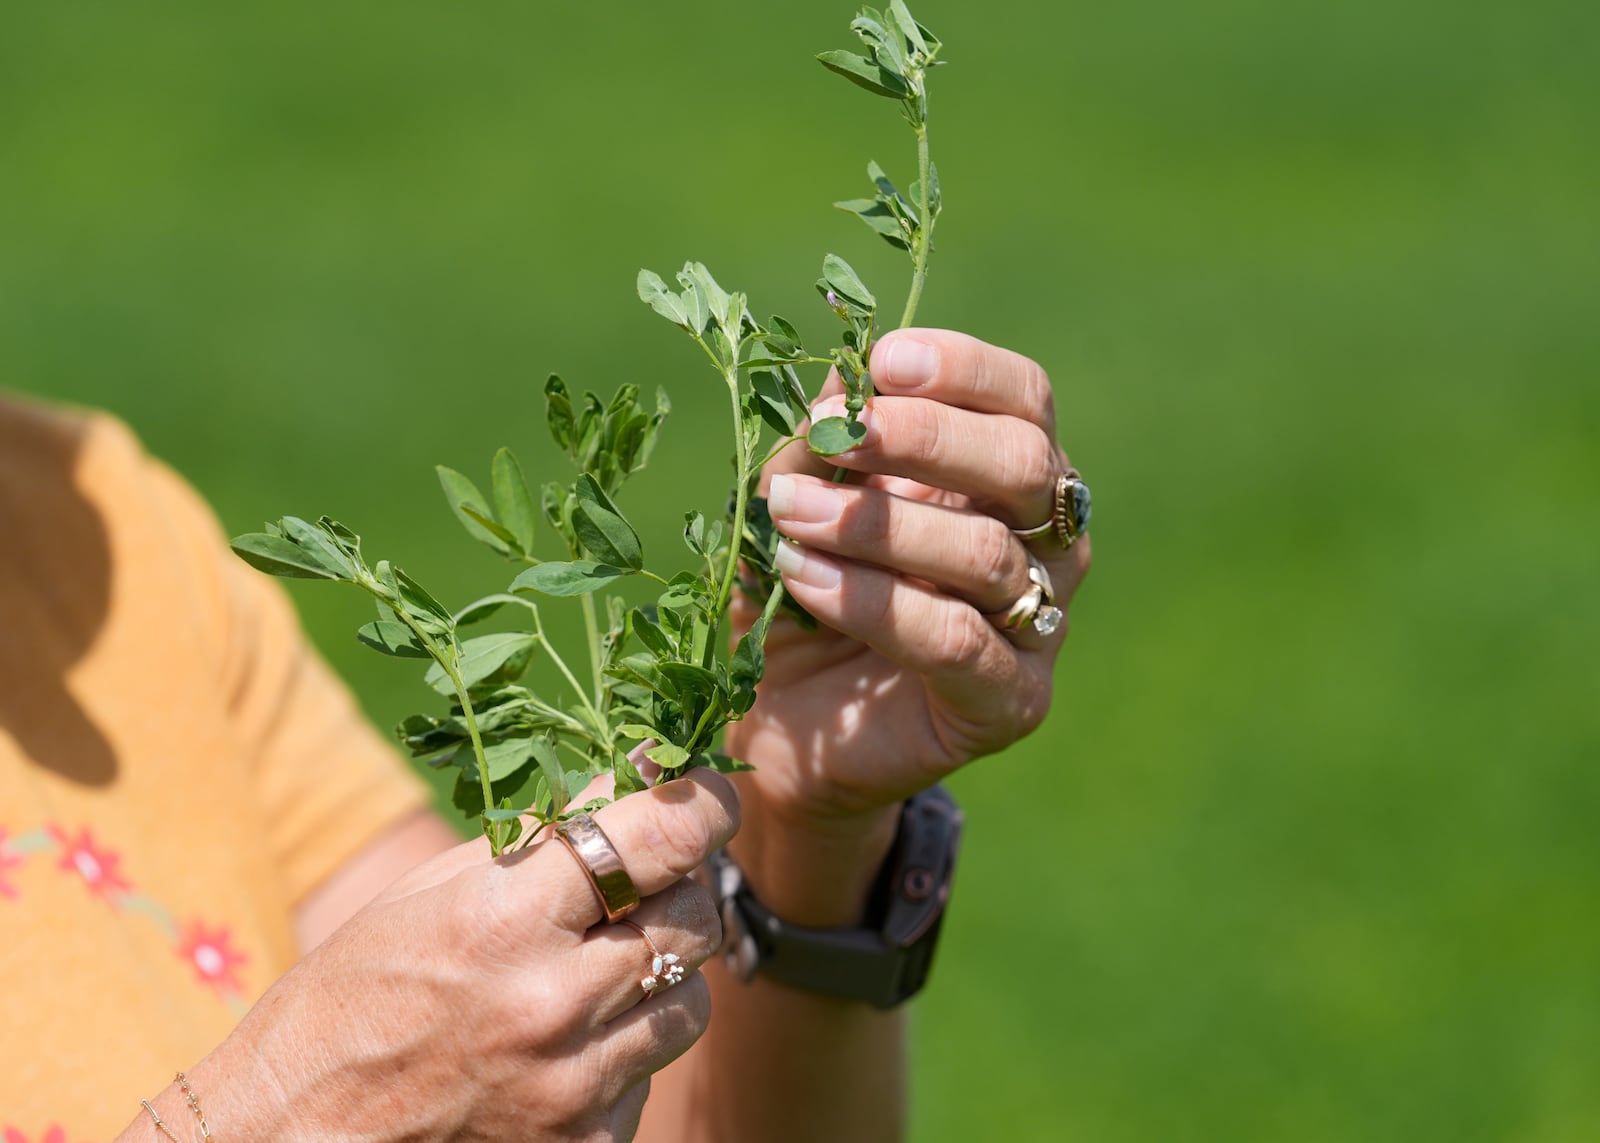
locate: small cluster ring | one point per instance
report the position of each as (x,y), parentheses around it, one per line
(666,969)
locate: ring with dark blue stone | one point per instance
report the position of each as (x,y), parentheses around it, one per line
(1074,506)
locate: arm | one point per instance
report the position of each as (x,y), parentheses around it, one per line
(360,879)
(906,679)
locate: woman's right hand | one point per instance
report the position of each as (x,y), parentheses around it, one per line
(485,999)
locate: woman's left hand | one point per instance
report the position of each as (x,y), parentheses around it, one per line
(908,676)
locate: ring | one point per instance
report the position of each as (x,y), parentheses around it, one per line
(1037,605)
(582,835)
(1069,519)
(665,969)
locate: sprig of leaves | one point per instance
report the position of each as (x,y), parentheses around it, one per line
(659,669)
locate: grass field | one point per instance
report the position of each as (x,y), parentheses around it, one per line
(1310,847)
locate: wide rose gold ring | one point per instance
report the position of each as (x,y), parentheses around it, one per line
(589,844)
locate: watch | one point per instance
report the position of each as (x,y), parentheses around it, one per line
(886,960)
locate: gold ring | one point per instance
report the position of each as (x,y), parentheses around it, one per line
(1036,606)
(582,835)
(1069,514)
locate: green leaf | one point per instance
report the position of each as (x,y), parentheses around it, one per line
(558,413)
(649,632)
(498,658)
(834,435)
(845,282)
(276,555)
(683,589)
(544,753)
(775,401)
(721,763)
(703,539)
(392,639)
(461,493)
(865,73)
(603,530)
(579,577)
(510,546)
(689,680)
(626,776)
(668,756)
(907,26)
(343,538)
(718,302)
(420,606)
(877,215)
(666,302)
(888,48)
(513,502)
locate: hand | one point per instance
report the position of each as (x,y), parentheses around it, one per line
(486,998)
(907,678)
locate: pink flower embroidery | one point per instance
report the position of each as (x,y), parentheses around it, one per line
(214,959)
(52,1134)
(97,867)
(7,861)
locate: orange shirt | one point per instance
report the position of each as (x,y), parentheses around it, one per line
(177,771)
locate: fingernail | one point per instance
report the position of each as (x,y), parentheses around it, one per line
(813,571)
(801,501)
(910,363)
(827,407)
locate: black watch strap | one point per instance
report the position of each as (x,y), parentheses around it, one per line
(887,960)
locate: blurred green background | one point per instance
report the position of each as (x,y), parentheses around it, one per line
(1308,848)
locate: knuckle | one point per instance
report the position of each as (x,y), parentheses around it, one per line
(1038,395)
(1035,466)
(680,842)
(1033,704)
(963,635)
(998,562)
(694,1006)
(694,909)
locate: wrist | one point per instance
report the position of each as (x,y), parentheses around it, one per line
(813,871)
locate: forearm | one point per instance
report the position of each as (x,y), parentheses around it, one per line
(778,1064)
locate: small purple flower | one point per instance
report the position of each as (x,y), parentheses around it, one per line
(833,299)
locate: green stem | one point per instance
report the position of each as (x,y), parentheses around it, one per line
(446,658)
(561,665)
(919,255)
(591,628)
(492,829)
(741,504)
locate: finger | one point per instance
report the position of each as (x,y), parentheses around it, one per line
(680,921)
(649,1036)
(440,868)
(955,369)
(958,651)
(965,553)
(1007,466)
(628,1110)
(988,687)
(661,834)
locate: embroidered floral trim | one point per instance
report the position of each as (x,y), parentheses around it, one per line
(214,959)
(97,867)
(208,950)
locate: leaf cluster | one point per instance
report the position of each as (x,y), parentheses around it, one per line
(658,668)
